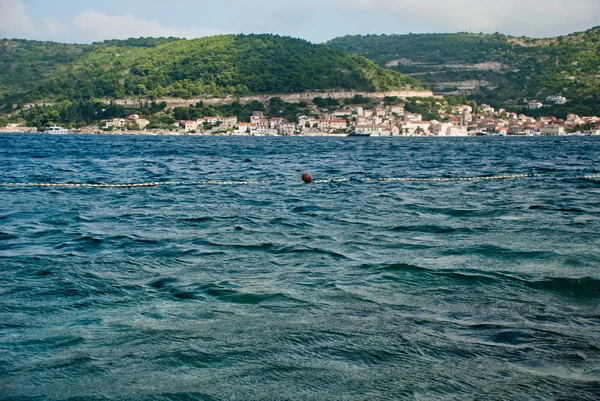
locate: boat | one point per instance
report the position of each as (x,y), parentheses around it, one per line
(356,133)
(55,129)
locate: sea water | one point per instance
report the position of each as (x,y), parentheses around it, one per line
(486,290)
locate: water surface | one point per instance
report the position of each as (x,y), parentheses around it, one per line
(341,291)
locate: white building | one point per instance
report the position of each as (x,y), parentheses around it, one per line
(230,121)
(190,125)
(142,123)
(413,117)
(534,105)
(338,124)
(385,130)
(116,123)
(414,127)
(552,130)
(396,109)
(556,100)
(242,128)
(287,129)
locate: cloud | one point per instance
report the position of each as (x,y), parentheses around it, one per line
(518,17)
(94,25)
(15,21)
(317,20)
(87,26)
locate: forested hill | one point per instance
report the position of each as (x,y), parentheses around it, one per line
(494,68)
(217,66)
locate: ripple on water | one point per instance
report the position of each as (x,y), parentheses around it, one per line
(352,290)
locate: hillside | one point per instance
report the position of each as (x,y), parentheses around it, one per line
(496,69)
(215,66)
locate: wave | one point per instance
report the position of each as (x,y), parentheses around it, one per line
(433,229)
(7,236)
(586,287)
(557,209)
(224,291)
(308,250)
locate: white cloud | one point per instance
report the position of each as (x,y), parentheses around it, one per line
(93,25)
(15,21)
(518,17)
(87,26)
(55,28)
(318,20)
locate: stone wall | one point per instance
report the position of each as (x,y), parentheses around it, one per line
(288,97)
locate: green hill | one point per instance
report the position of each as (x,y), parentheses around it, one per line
(221,65)
(496,69)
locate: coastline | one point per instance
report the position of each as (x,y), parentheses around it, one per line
(33,131)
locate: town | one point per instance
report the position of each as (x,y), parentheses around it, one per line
(392,120)
(386,117)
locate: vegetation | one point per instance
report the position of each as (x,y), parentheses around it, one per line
(88,112)
(151,68)
(517,67)
(275,108)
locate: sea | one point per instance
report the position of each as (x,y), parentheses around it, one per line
(351,290)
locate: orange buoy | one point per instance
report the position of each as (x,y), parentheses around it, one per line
(306,178)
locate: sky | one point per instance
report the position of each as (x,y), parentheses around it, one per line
(81,21)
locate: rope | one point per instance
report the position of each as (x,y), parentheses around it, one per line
(239,183)
(502,177)
(138,185)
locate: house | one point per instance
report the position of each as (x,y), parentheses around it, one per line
(324,124)
(116,123)
(262,123)
(338,124)
(552,130)
(190,125)
(142,123)
(461,109)
(229,121)
(396,109)
(276,122)
(262,130)
(500,129)
(209,120)
(363,129)
(534,105)
(133,117)
(447,129)
(243,128)
(486,108)
(287,129)
(457,131)
(413,117)
(557,100)
(384,130)
(341,114)
(412,127)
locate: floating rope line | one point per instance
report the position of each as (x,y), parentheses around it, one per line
(133,185)
(448,179)
(339,180)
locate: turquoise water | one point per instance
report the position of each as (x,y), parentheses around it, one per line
(341,291)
